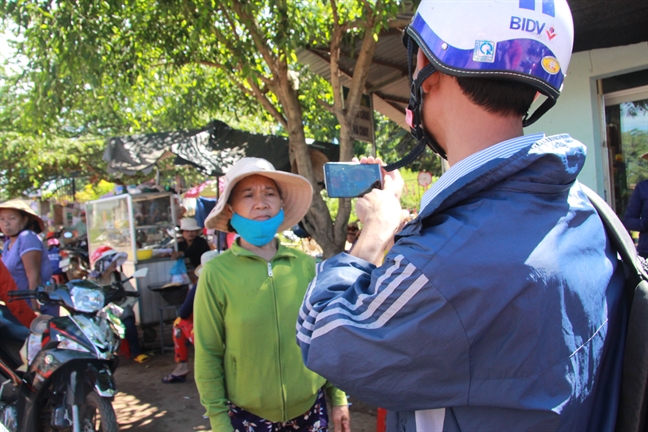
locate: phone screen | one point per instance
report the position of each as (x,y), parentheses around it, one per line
(350,180)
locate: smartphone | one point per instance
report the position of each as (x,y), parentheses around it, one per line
(350,180)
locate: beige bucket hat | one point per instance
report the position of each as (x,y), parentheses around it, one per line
(18,204)
(204,258)
(189,224)
(296,193)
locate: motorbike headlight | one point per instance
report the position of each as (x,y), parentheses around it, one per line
(68,344)
(86,300)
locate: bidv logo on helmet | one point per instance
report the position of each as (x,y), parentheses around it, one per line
(484,51)
(534,26)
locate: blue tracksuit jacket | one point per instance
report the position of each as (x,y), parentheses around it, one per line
(502,303)
(636,215)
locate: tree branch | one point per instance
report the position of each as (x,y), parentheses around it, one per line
(265,102)
(398,24)
(327,106)
(336,40)
(255,33)
(361,70)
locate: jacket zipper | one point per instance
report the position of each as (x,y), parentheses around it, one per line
(274,293)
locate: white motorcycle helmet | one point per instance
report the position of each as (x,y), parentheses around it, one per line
(529,41)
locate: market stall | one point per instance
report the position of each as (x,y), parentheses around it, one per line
(143,226)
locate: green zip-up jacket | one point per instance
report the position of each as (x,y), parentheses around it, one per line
(245,313)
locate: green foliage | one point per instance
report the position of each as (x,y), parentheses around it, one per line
(412,191)
(28,162)
(319,123)
(106,68)
(93,191)
(635,143)
(333,203)
(111,67)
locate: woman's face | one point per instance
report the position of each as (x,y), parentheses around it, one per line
(190,235)
(256,197)
(12,222)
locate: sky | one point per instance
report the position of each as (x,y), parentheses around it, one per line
(6,52)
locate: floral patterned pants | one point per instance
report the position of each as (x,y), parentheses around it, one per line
(313,420)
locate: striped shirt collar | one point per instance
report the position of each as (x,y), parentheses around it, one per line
(474,161)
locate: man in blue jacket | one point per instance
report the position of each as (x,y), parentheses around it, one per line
(636,215)
(499,307)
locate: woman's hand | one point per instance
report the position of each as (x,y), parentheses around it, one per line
(341,419)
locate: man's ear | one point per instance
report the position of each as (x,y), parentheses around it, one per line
(421,62)
(431,81)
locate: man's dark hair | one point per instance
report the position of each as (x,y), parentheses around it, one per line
(498,96)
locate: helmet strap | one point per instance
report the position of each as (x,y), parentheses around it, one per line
(411,157)
(413,112)
(539,112)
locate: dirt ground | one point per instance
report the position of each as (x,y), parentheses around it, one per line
(145,404)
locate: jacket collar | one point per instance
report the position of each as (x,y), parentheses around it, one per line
(282,251)
(552,163)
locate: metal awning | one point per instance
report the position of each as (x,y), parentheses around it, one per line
(212,149)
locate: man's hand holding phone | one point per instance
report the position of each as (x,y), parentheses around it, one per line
(380,213)
(397,183)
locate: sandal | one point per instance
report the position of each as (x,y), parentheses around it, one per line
(142,358)
(172,379)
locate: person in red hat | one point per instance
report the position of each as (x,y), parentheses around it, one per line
(106,264)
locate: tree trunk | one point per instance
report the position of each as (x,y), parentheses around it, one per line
(318,220)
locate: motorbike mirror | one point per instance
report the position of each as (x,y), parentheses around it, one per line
(67,234)
(141,273)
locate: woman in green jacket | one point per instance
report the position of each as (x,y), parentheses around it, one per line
(248,367)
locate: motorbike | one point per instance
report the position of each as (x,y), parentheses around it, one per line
(75,261)
(58,375)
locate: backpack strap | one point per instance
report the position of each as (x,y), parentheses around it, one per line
(633,401)
(620,239)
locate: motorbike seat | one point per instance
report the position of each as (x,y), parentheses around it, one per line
(10,328)
(12,337)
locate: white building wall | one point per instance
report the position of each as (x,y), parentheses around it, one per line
(577,111)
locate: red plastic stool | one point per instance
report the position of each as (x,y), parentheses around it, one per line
(380,420)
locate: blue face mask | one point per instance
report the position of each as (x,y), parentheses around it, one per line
(258,233)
